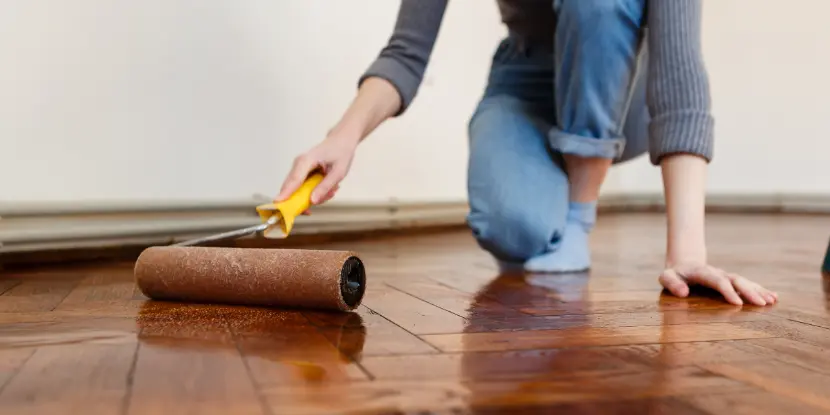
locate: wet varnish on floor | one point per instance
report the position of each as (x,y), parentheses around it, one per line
(440,332)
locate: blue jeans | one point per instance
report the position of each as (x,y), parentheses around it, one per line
(585,96)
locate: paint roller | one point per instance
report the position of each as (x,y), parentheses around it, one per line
(291,278)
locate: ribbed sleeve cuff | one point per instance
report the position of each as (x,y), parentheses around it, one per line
(401,77)
(682,132)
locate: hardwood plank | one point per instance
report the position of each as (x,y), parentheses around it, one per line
(410,313)
(11,360)
(528,364)
(366,333)
(602,307)
(69,332)
(789,351)
(37,294)
(73,379)
(794,382)
(7,283)
(169,321)
(590,337)
(681,354)
(805,333)
(463,304)
(612,296)
(185,376)
(811,317)
(101,292)
(750,403)
(621,407)
(300,356)
(528,322)
(118,310)
(414,396)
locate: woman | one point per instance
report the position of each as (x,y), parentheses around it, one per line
(577,86)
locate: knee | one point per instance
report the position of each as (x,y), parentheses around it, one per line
(510,234)
(595,14)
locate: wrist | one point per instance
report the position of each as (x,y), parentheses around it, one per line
(688,255)
(686,246)
(344,135)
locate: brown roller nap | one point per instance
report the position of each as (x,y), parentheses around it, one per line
(291,278)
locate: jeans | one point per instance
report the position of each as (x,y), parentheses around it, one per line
(584,96)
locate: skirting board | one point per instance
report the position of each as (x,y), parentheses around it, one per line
(35,228)
(39,228)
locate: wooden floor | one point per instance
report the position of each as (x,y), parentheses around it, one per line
(441,332)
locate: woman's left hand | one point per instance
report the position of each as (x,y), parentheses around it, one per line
(678,277)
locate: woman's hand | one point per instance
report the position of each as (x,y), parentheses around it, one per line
(334,156)
(678,277)
(376,101)
(684,178)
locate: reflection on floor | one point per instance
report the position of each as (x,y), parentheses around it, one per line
(440,332)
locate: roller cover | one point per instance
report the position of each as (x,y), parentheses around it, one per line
(324,280)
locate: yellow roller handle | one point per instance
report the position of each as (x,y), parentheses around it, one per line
(288,210)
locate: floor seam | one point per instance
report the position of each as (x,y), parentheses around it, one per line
(130,381)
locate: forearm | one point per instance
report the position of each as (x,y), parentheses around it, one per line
(376,101)
(684,185)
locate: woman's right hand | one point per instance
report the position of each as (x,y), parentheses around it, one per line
(333,156)
(377,100)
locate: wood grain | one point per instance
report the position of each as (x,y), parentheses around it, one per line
(76,379)
(535,339)
(440,331)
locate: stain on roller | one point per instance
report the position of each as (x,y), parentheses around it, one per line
(289,278)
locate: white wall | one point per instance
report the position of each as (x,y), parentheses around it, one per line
(196,100)
(186,99)
(769,64)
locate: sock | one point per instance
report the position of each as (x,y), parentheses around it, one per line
(573,253)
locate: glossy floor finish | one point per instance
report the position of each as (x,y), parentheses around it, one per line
(440,332)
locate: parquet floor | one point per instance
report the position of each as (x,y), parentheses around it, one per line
(440,332)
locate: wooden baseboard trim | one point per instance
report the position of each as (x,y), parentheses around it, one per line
(40,229)
(35,233)
(719,203)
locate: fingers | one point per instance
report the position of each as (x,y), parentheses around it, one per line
(734,288)
(748,289)
(324,199)
(303,165)
(724,286)
(328,196)
(717,280)
(325,190)
(753,291)
(676,285)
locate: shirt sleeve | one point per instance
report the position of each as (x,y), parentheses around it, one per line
(678,84)
(404,59)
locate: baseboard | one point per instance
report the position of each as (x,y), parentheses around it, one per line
(723,203)
(41,228)
(36,228)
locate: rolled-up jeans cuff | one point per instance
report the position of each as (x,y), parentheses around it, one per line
(565,143)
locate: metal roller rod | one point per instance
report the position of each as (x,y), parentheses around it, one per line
(230,234)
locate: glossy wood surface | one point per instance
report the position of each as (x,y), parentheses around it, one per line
(440,332)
